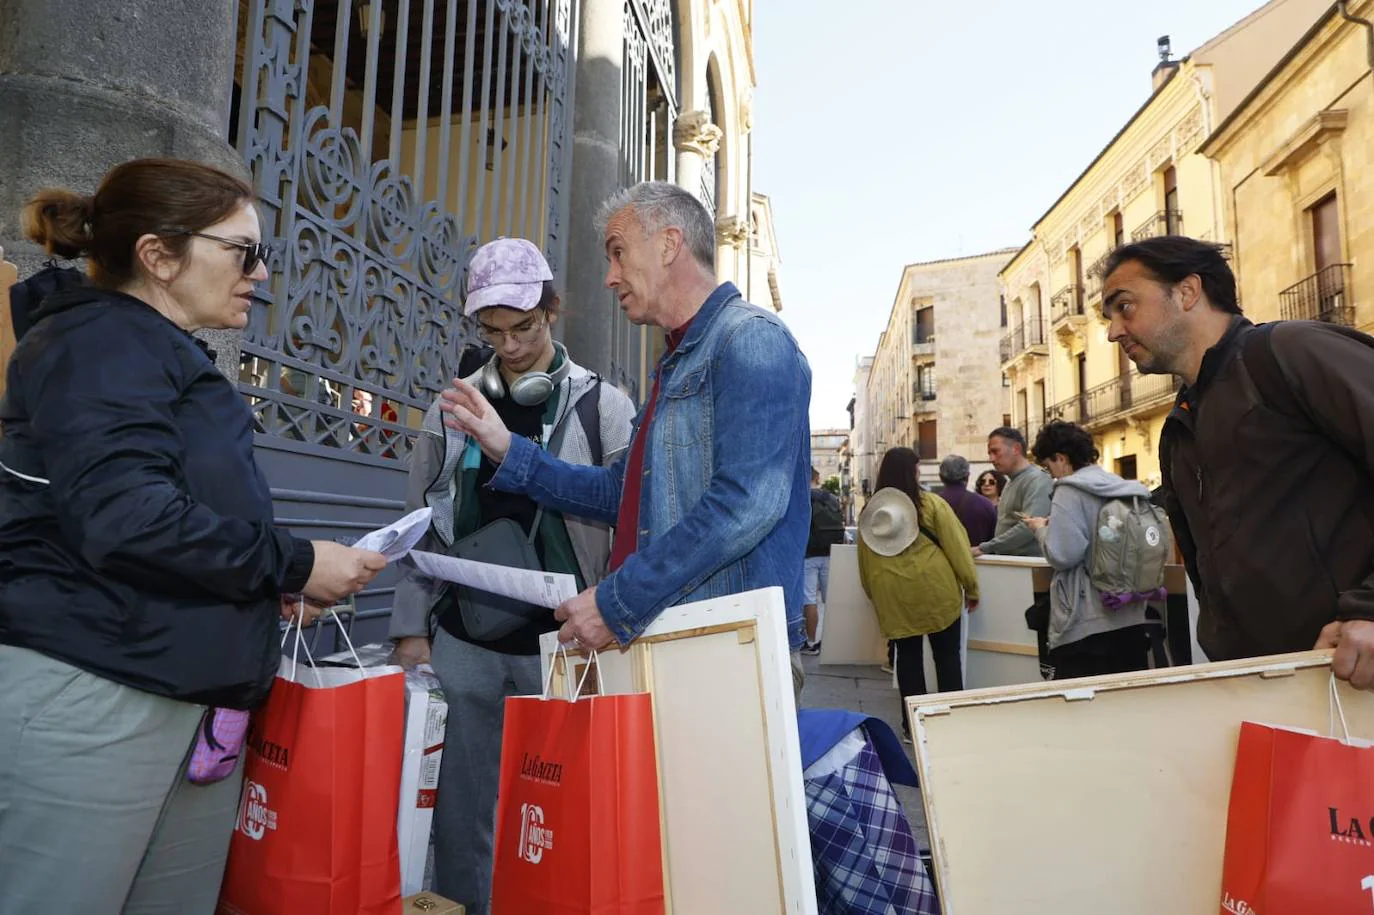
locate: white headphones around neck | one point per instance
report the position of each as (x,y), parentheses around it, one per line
(530,388)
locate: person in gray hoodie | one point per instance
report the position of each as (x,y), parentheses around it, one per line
(1085,636)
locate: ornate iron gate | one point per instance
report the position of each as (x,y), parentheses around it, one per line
(648,108)
(386,140)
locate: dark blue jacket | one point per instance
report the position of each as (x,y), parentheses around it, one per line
(136,534)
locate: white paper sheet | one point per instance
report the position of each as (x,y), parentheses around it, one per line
(395,540)
(545,589)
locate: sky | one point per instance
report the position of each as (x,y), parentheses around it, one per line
(888,132)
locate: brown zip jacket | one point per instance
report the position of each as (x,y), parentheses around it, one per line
(1268,470)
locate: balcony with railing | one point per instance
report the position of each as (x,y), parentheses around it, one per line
(1122,397)
(922,341)
(1323,296)
(1094,277)
(1026,339)
(1165,222)
(1067,303)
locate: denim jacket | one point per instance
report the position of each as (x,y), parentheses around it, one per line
(725,500)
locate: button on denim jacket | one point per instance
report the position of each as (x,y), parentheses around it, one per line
(725,500)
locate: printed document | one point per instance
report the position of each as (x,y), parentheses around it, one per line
(544,589)
(396,540)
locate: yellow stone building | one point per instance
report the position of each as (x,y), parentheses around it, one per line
(1297,172)
(1151,179)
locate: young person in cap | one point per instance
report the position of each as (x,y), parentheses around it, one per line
(916,567)
(539,392)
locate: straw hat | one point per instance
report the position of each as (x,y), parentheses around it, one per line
(888,524)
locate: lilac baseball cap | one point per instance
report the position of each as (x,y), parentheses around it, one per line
(509,272)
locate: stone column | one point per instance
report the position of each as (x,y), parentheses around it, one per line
(732,239)
(696,140)
(596,167)
(89,85)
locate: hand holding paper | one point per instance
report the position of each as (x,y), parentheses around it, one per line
(396,540)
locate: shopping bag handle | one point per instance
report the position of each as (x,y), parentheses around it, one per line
(1337,711)
(300,642)
(567,665)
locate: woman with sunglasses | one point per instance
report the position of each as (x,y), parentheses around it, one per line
(142,579)
(990,485)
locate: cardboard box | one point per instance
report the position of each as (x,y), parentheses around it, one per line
(426,717)
(429,904)
(426,720)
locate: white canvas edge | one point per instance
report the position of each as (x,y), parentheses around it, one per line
(919,708)
(780,712)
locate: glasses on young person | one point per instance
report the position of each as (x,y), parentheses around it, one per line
(525,333)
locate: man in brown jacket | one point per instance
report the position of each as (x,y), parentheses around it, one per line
(1267,457)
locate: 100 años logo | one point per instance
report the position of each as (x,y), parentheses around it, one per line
(535,837)
(255,817)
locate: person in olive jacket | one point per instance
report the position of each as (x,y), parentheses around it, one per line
(142,579)
(917,569)
(1267,457)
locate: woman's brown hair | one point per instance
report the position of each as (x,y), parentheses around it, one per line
(901,469)
(141,197)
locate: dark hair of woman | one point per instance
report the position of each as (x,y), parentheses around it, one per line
(1068,439)
(999,479)
(901,469)
(168,198)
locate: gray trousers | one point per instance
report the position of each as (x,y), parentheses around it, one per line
(96,815)
(476,683)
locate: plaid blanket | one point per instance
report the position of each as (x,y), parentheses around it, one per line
(865,855)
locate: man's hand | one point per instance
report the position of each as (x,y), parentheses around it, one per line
(411,651)
(972,604)
(582,622)
(471,413)
(977,551)
(297,608)
(1036,523)
(1354,657)
(340,571)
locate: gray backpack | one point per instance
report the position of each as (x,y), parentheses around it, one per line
(1130,548)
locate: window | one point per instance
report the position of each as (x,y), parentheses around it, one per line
(1326,232)
(1118,230)
(926,447)
(924,331)
(925,382)
(1004,310)
(1171,213)
(1125,467)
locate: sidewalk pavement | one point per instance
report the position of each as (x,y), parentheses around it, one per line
(869,691)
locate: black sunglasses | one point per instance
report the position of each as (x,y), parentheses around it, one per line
(253,252)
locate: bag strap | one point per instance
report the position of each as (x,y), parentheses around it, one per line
(931,534)
(589,413)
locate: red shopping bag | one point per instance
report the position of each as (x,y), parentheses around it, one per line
(1300,828)
(577,814)
(316,831)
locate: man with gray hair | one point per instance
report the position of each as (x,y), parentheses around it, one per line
(976,513)
(713,497)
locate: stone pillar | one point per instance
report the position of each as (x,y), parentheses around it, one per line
(89,85)
(596,167)
(732,238)
(696,140)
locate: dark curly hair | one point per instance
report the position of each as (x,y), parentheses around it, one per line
(1068,439)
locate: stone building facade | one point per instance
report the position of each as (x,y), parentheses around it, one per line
(934,385)
(1151,179)
(1297,175)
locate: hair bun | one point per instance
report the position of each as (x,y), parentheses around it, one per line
(60,221)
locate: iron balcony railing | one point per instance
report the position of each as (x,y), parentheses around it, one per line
(1025,336)
(1094,278)
(1124,395)
(1323,296)
(1165,222)
(922,341)
(1067,302)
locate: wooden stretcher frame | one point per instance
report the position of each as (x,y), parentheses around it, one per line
(1104,793)
(735,835)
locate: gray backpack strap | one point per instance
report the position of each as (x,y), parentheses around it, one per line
(589,413)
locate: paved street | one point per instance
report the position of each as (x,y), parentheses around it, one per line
(867,690)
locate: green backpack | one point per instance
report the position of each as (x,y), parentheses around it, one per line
(1131,545)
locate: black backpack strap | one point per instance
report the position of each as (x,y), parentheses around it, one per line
(589,412)
(1263,366)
